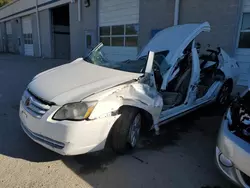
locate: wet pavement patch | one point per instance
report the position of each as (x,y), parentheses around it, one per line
(169,134)
(97,161)
(150,141)
(172,131)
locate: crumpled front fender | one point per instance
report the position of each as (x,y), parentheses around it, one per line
(137,95)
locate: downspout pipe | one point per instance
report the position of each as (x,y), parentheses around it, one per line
(38,30)
(176,12)
(79,10)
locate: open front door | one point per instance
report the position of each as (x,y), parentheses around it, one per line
(156,109)
(193,86)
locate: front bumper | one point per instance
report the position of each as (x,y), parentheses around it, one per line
(238,152)
(66,137)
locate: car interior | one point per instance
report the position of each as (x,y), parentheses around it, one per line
(210,73)
(176,91)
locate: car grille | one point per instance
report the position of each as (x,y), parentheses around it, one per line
(34,105)
(245,178)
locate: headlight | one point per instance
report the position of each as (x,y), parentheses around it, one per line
(74,111)
(225,161)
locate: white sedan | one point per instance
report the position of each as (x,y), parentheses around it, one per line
(85,105)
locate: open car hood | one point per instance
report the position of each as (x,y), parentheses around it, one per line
(175,39)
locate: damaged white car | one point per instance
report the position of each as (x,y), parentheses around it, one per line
(78,107)
(233,149)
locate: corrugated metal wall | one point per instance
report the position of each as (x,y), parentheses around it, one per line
(119,12)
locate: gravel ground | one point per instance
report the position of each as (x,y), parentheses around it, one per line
(182,156)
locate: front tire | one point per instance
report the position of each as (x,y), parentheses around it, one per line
(126,130)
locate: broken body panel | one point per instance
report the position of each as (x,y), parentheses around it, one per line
(239,117)
(109,87)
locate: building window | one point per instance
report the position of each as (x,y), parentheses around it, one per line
(28,39)
(105,41)
(117,30)
(131,41)
(120,35)
(132,29)
(244,40)
(117,41)
(105,30)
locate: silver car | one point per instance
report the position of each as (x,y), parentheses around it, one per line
(233,146)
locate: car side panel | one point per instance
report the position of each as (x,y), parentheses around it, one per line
(138,95)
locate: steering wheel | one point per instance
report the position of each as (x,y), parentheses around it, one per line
(156,67)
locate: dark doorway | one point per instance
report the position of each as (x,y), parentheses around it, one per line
(61,31)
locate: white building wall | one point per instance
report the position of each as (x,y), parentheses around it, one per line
(243,54)
(15,7)
(116,12)
(20,8)
(246,6)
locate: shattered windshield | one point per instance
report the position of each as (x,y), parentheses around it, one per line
(97,57)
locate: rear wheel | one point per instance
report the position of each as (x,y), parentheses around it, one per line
(224,95)
(126,130)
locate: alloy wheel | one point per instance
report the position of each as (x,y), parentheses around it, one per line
(134,131)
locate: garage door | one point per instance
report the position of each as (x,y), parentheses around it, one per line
(243,46)
(118,28)
(10,47)
(27,35)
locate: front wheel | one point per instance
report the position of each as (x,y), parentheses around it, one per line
(223,97)
(126,130)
